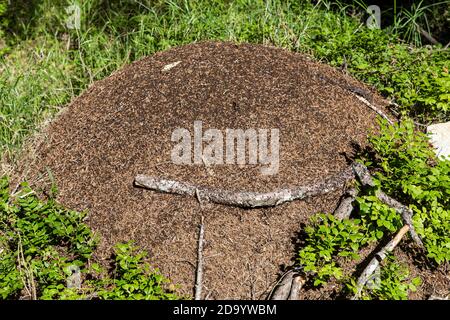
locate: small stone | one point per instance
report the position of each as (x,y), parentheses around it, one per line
(440,138)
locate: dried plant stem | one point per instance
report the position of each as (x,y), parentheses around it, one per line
(199,273)
(371,106)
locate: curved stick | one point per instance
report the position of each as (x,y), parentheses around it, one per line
(250,199)
(378,111)
(245,199)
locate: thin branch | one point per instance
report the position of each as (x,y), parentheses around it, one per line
(283,287)
(199,275)
(29,283)
(362,95)
(371,106)
(406,213)
(375,262)
(24,278)
(297,283)
(427,36)
(345,207)
(245,199)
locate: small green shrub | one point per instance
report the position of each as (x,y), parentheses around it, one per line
(394,283)
(41,243)
(417,79)
(377,218)
(326,238)
(407,169)
(133,278)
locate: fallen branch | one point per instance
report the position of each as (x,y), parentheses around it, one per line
(365,178)
(375,262)
(244,199)
(297,284)
(426,35)
(282,288)
(199,275)
(250,199)
(371,106)
(433,297)
(288,286)
(345,207)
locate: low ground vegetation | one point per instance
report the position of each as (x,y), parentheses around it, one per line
(44,65)
(46,253)
(406,168)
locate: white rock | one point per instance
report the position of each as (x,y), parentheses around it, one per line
(440,138)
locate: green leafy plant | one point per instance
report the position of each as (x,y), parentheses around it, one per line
(409,171)
(134,279)
(41,243)
(38,240)
(377,219)
(417,79)
(394,283)
(326,238)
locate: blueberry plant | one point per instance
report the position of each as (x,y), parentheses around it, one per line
(43,243)
(406,168)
